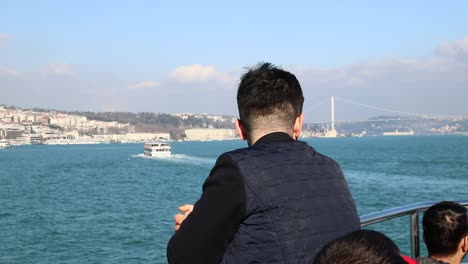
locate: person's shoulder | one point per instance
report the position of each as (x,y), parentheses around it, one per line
(231,153)
(320,157)
(325,157)
(229,156)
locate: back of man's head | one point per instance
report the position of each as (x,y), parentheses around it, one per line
(361,246)
(269,97)
(444,225)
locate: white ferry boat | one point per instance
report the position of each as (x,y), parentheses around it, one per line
(399,133)
(157,149)
(4,144)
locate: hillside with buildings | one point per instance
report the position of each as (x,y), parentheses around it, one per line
(40,126)
(393,126)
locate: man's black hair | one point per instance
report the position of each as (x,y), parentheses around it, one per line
(361,246)
(444,225)
(268,95)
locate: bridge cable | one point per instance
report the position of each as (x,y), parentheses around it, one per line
(382,109)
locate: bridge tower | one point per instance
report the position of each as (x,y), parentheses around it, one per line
(332,132)
(333,113)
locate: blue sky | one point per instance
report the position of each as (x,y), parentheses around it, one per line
(163,56)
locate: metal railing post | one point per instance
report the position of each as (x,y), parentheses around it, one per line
(414,234)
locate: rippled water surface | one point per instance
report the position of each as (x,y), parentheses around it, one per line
(109,204)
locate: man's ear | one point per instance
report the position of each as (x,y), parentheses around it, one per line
(464,244)
(297,130)
(241,129)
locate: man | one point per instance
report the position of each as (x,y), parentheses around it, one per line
(276,201)
(445,229)
(361,246)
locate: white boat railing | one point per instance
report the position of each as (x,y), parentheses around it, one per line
(412,210)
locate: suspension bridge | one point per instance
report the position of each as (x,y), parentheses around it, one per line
(396,115)
(401,114)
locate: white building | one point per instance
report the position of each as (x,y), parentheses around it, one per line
(210,134)
(67,120)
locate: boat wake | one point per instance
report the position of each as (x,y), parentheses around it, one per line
(181,158)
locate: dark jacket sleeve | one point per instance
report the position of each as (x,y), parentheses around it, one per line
(205,234)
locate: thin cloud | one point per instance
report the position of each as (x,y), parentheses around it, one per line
(7,72)
(59,69)
(144,85)
(448,59)
(5,38)
(193,73)
(457,48)
(201,76)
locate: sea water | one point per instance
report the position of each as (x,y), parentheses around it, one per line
(110,204)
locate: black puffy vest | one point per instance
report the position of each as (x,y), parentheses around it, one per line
(297,201)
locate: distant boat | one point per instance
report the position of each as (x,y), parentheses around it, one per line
(4,144)
(157,149)
(399,133)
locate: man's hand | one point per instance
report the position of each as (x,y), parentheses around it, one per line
(179,218)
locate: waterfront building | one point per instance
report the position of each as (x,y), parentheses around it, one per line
(204,134)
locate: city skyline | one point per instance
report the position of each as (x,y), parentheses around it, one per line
(149,56)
